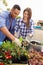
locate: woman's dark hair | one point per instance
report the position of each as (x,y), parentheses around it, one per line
(29,14)
(17,7)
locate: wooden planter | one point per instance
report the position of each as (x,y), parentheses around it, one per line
(17,64)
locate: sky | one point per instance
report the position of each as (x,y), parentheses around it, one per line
(35,5)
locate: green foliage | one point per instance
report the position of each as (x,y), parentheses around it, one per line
(5,3)
(18,17)
(8,9)
(8,45)
(14,50)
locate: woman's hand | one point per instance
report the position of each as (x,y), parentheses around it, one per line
(30,35)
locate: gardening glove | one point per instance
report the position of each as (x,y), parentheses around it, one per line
(17,41)
(27,39)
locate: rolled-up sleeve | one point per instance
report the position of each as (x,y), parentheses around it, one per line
(2,22)
(31,26)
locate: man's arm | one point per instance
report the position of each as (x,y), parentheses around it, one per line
(7,33)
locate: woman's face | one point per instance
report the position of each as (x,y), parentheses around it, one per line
(25,15)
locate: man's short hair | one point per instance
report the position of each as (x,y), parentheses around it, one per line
(16,7)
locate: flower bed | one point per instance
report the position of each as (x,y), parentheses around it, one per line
(18,64)
(11,53)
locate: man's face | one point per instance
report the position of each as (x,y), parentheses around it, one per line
(15,13)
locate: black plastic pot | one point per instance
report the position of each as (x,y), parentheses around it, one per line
(21,60)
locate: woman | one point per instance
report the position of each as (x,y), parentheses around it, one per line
(24,26)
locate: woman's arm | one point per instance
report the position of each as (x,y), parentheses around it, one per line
(17,28)
(31,28)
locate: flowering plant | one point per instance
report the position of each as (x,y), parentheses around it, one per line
(10,52)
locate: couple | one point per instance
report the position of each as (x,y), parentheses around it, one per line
(9,26)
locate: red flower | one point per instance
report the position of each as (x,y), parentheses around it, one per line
(8,56)
(7,53)
(1,63)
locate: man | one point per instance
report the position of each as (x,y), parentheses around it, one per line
(8,22)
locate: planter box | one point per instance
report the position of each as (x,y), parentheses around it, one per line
(17,64)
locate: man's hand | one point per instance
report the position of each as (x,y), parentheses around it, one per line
(17,41)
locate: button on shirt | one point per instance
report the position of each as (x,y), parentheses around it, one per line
(6,20)
(22,29)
